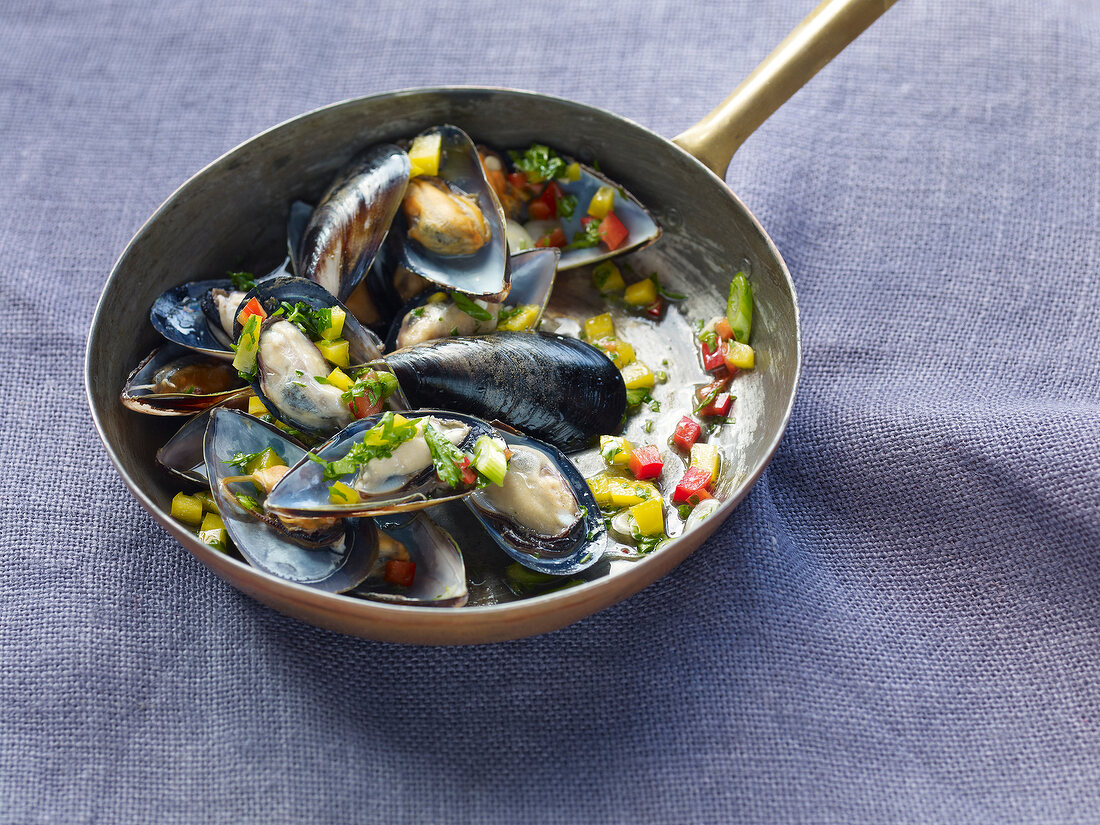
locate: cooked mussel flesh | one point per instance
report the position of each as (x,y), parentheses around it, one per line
(444,219)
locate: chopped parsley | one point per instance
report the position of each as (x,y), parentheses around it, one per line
(242,281)
(240,460)
(667,294)
(710,339)
(451,464)
(373,385)
(309,320)
(567,205)
(471,307)
(378,442)
(248,503)
(539,162)
(587,237)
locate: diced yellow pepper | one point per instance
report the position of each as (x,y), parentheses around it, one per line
(602,202)
(187,509)
(615,449)
(522,320)
(437,298)
(340,493)
(637,375)
(620,352)
(339,378)
(424,154)
(607,278)
(335,352)
(649,516)
(374,437)
(213,532)
(739,355)
(599,326)
(256,406)
(572,172)
(627,493)
(705,457)
(641,294)
(267,458)
(601,489)
(336,325)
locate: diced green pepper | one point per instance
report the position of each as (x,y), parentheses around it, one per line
(244,362)
(739,308)
(213,532)
(187,509)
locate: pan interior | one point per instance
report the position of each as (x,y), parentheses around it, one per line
(232,215)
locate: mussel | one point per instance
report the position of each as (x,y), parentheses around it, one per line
(444,241)
(557,389)
(439,577)
(544,515)
(330,554)
(349,224)
(379,465)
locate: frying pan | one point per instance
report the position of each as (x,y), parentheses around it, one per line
(237,207)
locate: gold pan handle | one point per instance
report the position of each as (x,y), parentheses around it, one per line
(820,37)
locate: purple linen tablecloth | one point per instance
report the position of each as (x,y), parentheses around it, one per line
(899,624)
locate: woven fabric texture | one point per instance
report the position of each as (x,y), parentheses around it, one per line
(900,623)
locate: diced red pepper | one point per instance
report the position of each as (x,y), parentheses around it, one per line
(654,310)
(550,195)
(687,433)
(713,359)
(518,179)
(713,388)
(400,572)
(253,307)
(612,231)
(539,211)
(468,474)
(361,407)
(555,238)
(723,329)
(720,406)
(646,462)
(692,485)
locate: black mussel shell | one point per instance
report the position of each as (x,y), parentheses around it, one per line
(440,577)
(554,388)
(338,562)
(348,225)
(198,381)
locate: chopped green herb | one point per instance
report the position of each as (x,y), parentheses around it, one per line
(647,544)
(242,281)
(567,205)
(667,294)
(699,324)
(647,425)
(637,396)
(309,320)
(448,459)
(710,339)
(416,313)
(248,503)
(586,238)
(239,459)
(539,162)
(470,307)
(508,312)
(683,511)
(378,442)
(374,385)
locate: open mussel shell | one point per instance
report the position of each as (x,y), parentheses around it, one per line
(556,389)
(544,516)
(423,320)
(337,565)
(440,579)
(185,314)
(642,227)
(173,380)
(348,226)
(305,490)
(483,273)
(284,381)
(183,455)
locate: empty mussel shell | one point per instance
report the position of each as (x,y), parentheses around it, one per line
(346,229)
(557,389)
(483,272)
(182,456)
(544,515)
(399,480)
(336,564)
(173,380)
(440,574)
